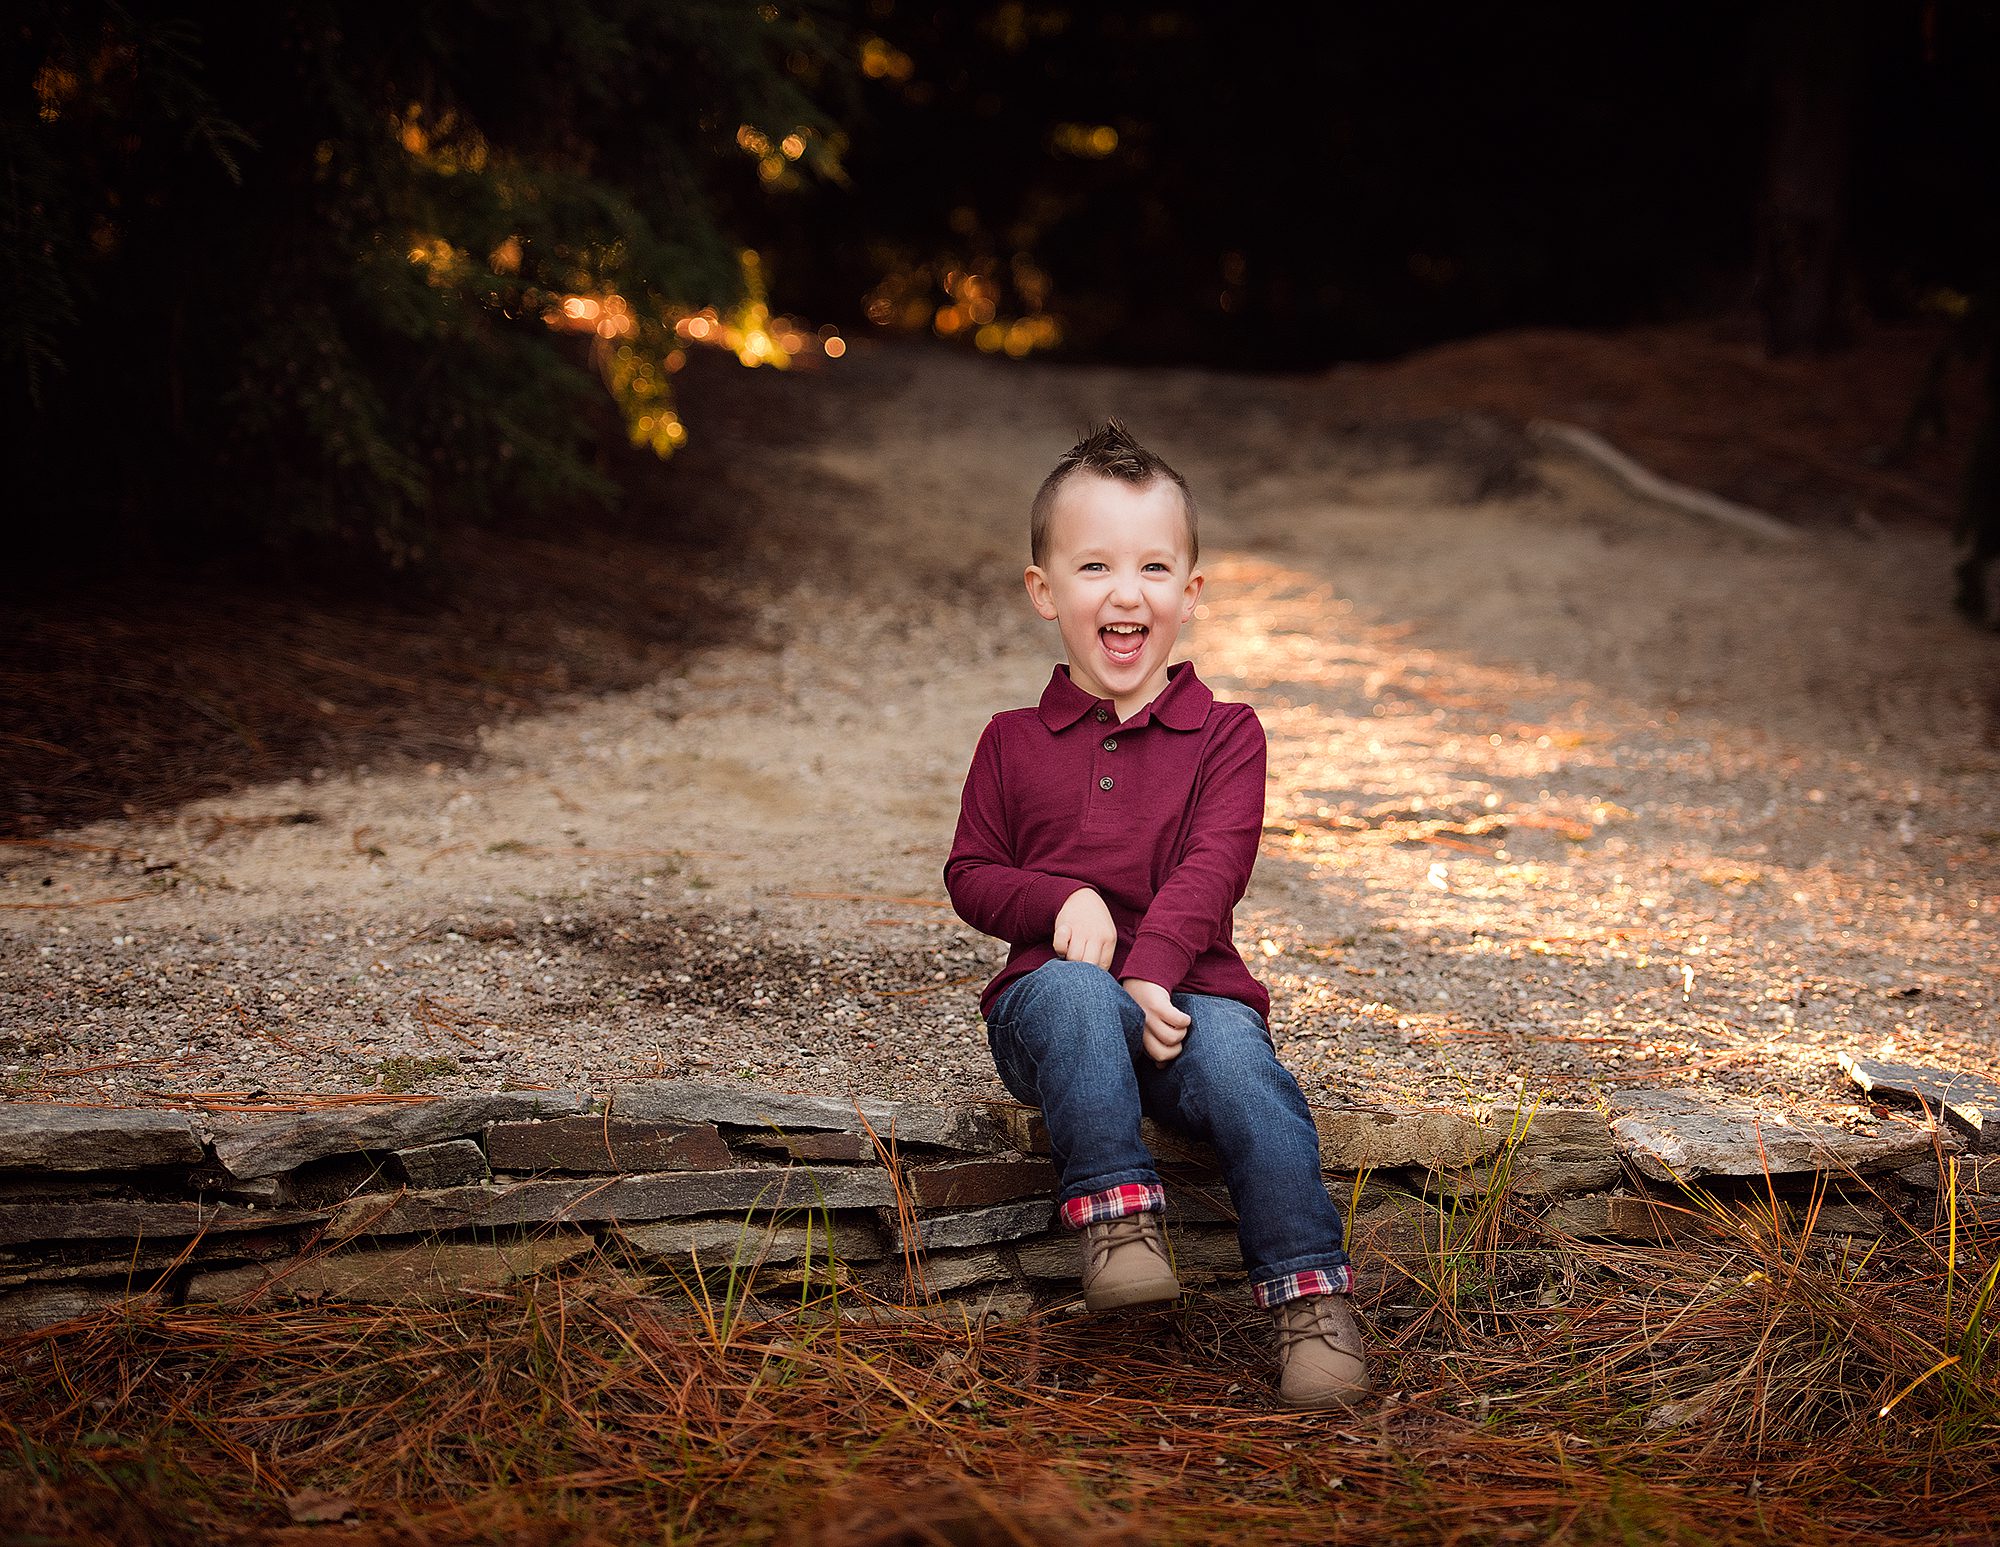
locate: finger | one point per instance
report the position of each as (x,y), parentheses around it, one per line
(1106,949)
(1169,1034)
(1060,941)
(1176,1017)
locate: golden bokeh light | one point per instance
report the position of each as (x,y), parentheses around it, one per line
(637,350)
(964,299)
(882,60)
(1092,142)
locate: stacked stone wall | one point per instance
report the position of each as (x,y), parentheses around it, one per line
(696,1187)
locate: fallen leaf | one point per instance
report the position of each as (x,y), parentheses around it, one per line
(315,1506)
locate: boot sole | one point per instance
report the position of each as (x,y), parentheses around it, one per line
(1326,1400)
(1157,1292)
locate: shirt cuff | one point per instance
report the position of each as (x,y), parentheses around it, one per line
(1115,1203)
(1158,959)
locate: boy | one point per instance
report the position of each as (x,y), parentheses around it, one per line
(1106,835)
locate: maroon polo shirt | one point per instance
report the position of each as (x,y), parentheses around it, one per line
(1160,815)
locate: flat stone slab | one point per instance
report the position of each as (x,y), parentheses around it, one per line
(948,1273)
(424,1273)
(1853,1220)
(1625,1217)
(267,1145)
(1978,1175)
(1385,1138)
(41,1136)
(1683,1135)
(140,1264)
(1565,1150)
(1201,1200)
(24,1310)
(448,1163)
(1556,1152)
(1628,1217)
(735,1244)
(848,1148)
(742,1106)
(1969,1101)
(102,1219)
(982,1227)
(606,1144)
(666,1195)
(971,1183)
(1391,1224)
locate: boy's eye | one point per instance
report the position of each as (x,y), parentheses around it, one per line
(1160,567)
(1093,564)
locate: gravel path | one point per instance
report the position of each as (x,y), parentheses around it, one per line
(1567,794)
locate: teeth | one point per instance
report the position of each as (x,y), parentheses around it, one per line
(1124,628)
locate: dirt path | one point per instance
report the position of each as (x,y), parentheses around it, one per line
(1567,793)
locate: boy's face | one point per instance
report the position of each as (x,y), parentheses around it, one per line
(1118,581)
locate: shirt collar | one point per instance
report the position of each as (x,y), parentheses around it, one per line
(1182,705)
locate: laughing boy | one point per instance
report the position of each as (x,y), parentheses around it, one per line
(1106,834)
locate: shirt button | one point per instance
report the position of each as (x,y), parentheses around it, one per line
(1104,783)
(1111,743)
(1102,717)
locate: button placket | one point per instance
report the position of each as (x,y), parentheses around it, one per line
(1105,783)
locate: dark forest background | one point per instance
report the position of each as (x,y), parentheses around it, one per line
(310,276)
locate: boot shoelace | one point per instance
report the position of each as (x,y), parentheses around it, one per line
(1114,1233)
(1314,1316)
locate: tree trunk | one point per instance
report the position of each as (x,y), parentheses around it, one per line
(1801,243)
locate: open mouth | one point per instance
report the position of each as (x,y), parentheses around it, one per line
(1123,641)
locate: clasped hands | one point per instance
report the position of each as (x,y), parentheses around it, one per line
(1084,932)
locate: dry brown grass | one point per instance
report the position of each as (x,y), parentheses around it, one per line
(1728,1390)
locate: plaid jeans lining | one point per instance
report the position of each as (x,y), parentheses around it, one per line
(1115,1203)
(1310,1281)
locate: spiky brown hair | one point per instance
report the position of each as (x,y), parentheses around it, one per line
(1109,451)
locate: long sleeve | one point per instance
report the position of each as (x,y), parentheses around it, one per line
(990,892)
(1191,910)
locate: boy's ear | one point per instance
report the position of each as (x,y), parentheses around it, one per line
(1191,595)
(1039,593)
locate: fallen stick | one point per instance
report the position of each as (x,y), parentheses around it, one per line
(1645,483)
(914,902)
(81,902)
(64,843)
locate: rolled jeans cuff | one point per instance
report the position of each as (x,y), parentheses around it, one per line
(1114,1203)
(1274,1292)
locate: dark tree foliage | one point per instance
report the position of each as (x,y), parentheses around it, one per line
(1291,186)
(286,268)
(1340,181)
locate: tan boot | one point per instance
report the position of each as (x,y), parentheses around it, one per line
(1320,1361)
(1125,1263)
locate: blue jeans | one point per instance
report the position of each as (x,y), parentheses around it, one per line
(1066,1038)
